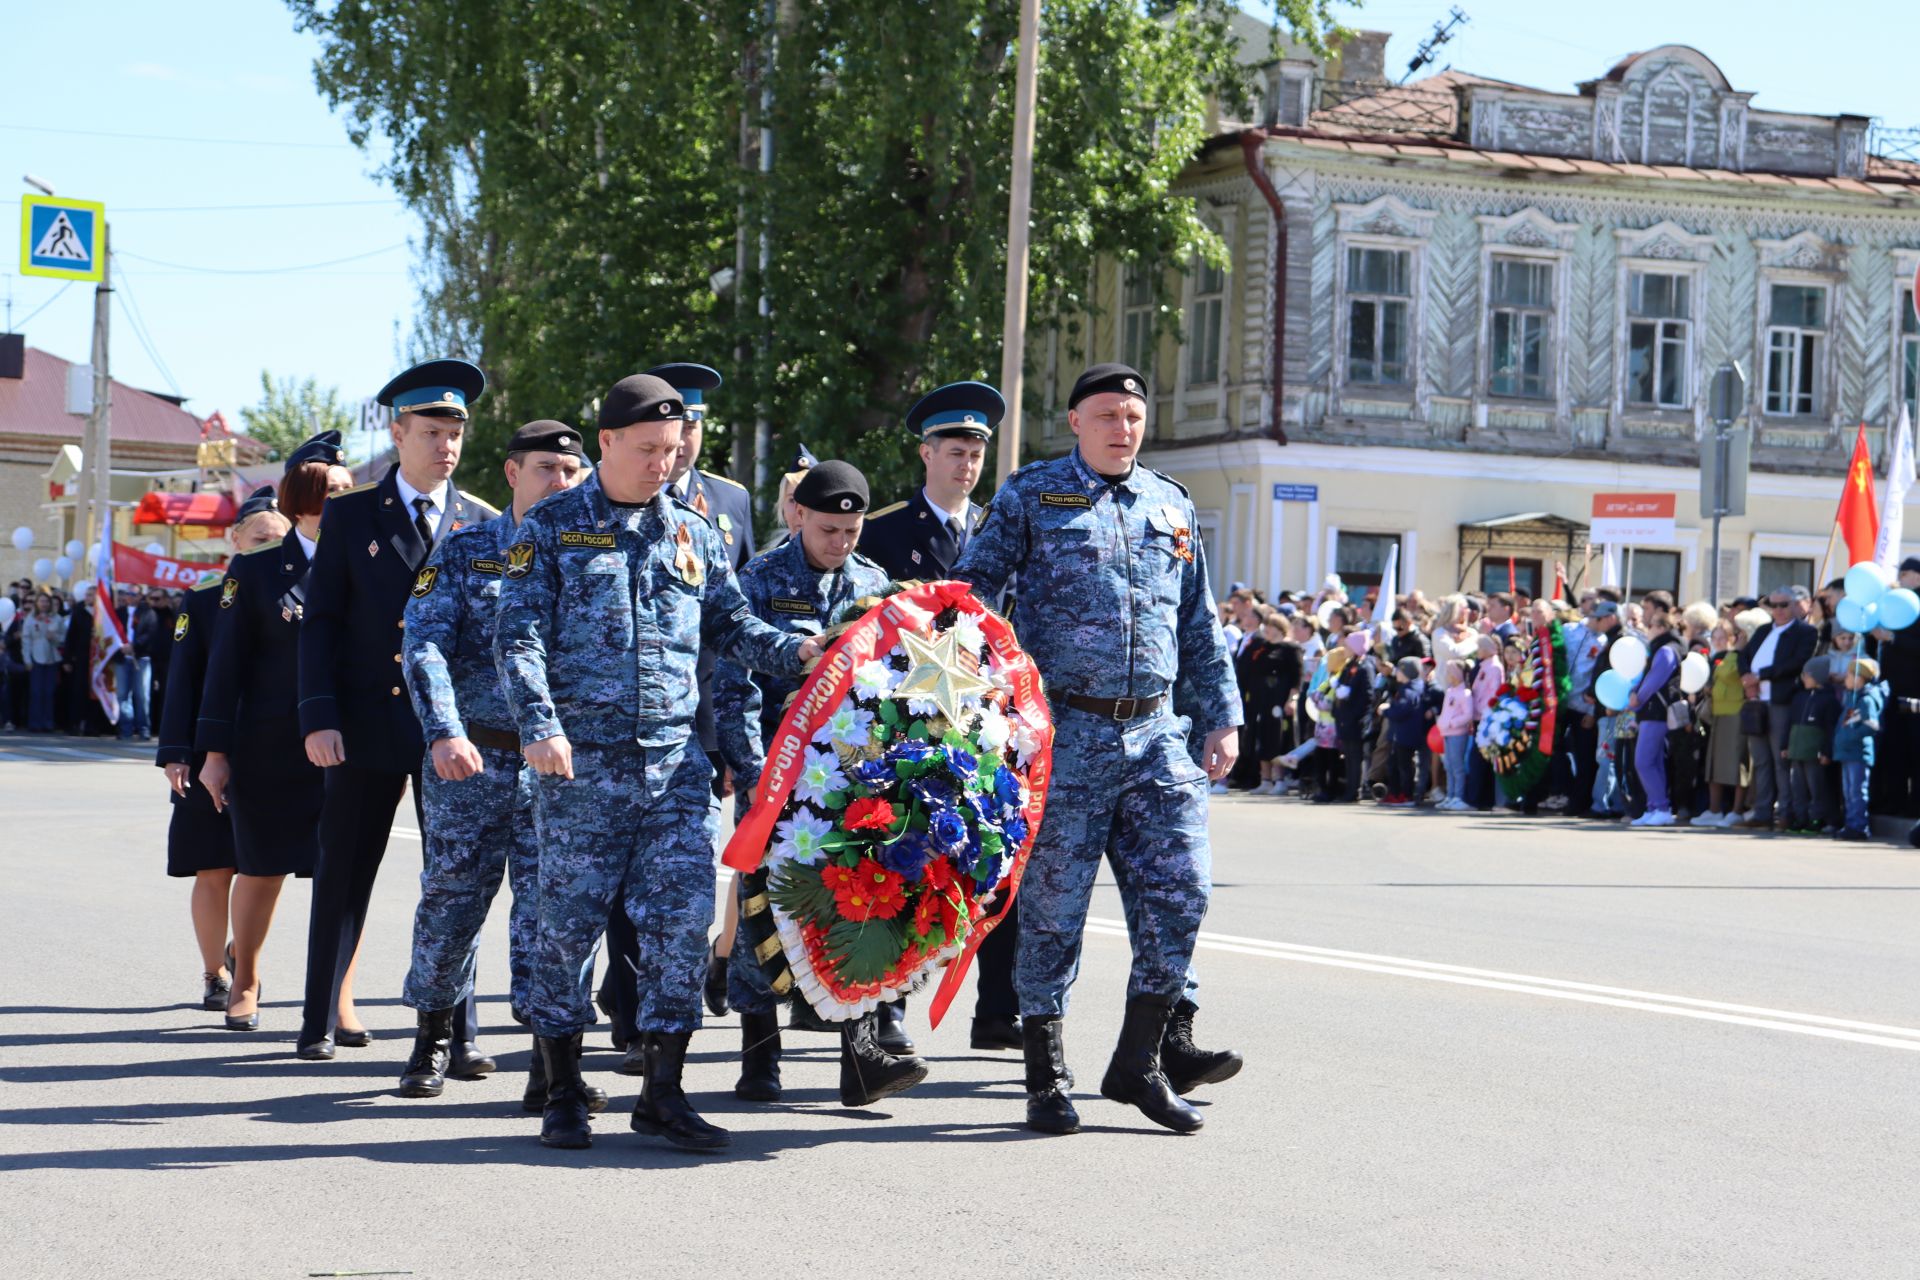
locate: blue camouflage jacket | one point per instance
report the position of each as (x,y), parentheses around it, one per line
(1113,599)
(447,645)
(786,591)
(603,613)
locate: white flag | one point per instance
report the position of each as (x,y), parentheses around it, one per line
(1609,566)
(1389,587)
(109,637)
(1893,512)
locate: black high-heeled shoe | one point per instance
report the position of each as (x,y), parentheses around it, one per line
(213,993)
(252,1021)
(353,1039)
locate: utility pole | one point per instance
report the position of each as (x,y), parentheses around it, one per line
(97,486)
(1013,327)
(1729,394)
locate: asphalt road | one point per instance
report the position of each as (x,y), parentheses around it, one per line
(1477,1047)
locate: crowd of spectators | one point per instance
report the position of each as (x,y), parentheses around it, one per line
(45,670)
(1784,722)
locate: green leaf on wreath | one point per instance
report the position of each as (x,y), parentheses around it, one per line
(799,891)
(865,950)
(991,844)
(918,730)
(890,712)
(990,764)
(836,799)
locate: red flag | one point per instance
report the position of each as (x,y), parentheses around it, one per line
(1559,581)
(1513,580)
(1858,519)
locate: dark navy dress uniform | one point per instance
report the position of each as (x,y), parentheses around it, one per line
(351,680)
(913,541)
(199,836)
(249,711)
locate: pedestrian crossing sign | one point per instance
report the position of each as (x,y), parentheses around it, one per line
(62,238)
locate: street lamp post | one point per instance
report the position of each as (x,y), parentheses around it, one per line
(1729,393)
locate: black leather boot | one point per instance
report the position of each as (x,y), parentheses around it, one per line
(534,1100)
(468,1063)
(426,1072)
(563,1122)
(996,1033)
(801,1017)
(1188,1067)
(890,1028)
(868,1072)
(1049,1109)
(759,1057)
(1134,1076)
(663,1109)
(715,986)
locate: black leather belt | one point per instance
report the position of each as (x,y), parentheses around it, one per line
(498,739)
(1117,708)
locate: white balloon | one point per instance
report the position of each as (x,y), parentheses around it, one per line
(64,567)
(155,549)
(1628,656)
(6,613)
(1695,671)
(42,569)
(74,547)
(22,538)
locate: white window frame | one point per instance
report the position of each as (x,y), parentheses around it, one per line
(1526,233)
(1346,295)
(1906,345)
(1554,327)
(1823,361)
(1696,277)
(1386,222)
(1190,309)
(1127,274)
(1213,396)
(1785,546)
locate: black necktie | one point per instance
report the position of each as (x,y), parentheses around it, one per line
(421,505)
(959,529)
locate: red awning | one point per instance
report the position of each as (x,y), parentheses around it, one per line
(215,510)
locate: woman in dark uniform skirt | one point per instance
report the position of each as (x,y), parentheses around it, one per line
(249,723)
(199,838)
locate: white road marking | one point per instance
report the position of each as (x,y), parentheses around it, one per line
(1807,1024)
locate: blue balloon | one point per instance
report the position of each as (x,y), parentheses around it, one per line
(1899,609)
(1613,689)
(1857,617)
(1867,582)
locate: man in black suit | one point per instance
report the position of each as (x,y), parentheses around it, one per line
(354,710)
(1770,669)
(922,538)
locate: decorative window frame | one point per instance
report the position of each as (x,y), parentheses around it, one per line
(1802,258)
(1224,221)
(1905,263)
(1669,249)
(1122,269)
(1525,233)
(1387,222)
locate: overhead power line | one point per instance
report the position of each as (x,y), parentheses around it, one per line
(238,208)
(263,271)
(174,137)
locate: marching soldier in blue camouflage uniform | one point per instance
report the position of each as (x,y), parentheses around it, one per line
(607,598)
(801,586)
(1114,608)
(476,791)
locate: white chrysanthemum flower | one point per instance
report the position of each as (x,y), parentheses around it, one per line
(970,635)
(875,679)
(848,727)
(820,776)
(800,837)
(1026,740)
(922,708)
(994,729)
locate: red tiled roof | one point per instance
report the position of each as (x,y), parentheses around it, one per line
(36,405)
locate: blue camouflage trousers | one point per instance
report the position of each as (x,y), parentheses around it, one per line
(635,825)
(1129,793)
(478,829)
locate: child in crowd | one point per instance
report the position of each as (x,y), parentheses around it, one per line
(1814,712)
(1456,731)
(1321,744)
(1275,680)
(1406,731)
(1353,716)
(1854,739)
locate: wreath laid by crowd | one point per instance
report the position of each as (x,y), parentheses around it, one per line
(1516,737)
(900,799)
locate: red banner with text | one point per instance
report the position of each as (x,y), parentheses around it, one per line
(132,568)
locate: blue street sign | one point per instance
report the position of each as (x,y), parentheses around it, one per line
(1296,493)
(61,238)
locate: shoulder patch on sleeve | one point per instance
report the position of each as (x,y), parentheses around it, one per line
(886,511)
(180,624)
(726,480)
(228,591)
(519,560)
(423,584)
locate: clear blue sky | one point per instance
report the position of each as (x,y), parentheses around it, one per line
(238,79)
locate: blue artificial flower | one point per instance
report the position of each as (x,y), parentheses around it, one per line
(949,830)
(873,773)
(1016,831)
(987,871)
(909,856)
(935,792)
(1006,787)
(910,751)
(961,764)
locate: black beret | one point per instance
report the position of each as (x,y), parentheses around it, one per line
(547,436)
(971,409)
(443,388)
(692,381)
(259,500)
(640,397)
(834,486)
(324,447)
(1910,565)
(1102,378)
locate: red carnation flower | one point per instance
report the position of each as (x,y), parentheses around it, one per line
(867,891)
(872,814)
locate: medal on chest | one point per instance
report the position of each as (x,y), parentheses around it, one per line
(686,561)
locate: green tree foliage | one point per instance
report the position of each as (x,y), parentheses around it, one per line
(290,411)
(583,169)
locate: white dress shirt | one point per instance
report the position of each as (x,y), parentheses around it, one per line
(435,513)
(307,545)
(1763,657)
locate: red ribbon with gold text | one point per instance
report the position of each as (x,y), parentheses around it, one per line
(874,636)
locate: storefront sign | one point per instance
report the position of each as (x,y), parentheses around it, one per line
(1645,519)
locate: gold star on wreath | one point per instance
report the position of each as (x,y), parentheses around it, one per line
(937,674)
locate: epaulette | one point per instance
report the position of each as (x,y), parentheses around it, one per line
(265,546)
(1184,492)
(683,504)
(359,488)
(208,585)
(868,561)
(885,511)
(725,480)
(481,503)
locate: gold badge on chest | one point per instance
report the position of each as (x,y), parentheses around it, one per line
(686,561)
